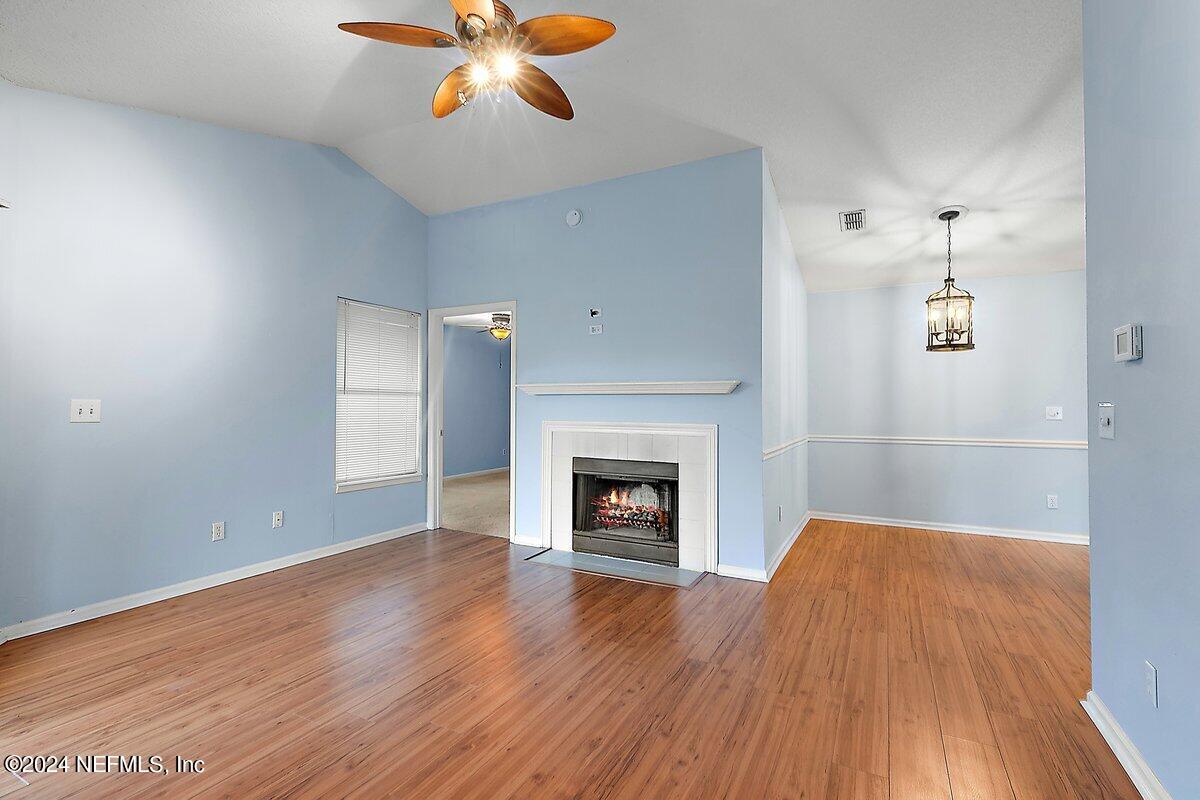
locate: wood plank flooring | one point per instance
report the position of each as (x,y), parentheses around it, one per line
(880,663)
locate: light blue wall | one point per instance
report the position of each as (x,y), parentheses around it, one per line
(871,376)
(187,276)
(674,259)
(476,370)
(785,379)
(1141,72)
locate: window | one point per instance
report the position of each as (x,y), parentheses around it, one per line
(378,424)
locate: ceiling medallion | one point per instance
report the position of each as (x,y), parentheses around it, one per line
(950,310)
(497,50)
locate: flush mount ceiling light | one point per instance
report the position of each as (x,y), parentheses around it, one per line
(950,309)
(497,50)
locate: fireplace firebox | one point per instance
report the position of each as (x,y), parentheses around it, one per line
(627,509)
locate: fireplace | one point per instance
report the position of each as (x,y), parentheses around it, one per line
(627,509)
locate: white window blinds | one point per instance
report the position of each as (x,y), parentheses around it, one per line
(378,395)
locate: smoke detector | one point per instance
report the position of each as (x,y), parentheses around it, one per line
(852,220)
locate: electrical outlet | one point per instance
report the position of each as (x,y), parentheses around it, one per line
(218,531)
(277,519)
(503,451)
(1051,501)
(781,513)
(1152,683)
(85,411)
(1054,412)
(595,330)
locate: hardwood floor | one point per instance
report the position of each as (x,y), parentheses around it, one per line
(880,663)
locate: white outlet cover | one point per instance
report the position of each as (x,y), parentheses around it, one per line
(1152,683)
(1052,501)
(595,330)
(84,411)
(218,531)
(277,519)
(1054,412)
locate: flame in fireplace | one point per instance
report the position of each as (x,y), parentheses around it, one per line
(628,508)
(618,500)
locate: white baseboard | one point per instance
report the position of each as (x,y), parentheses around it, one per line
(787,546)
(742,573)
(475,474)
(1144,779)
(1008,533)
(106,607)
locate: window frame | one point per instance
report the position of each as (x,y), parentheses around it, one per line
(362,484)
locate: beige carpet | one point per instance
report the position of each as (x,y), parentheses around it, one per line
(476,504)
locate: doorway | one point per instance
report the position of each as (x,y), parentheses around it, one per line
(472,380)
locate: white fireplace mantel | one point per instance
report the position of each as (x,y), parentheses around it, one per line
(632,387)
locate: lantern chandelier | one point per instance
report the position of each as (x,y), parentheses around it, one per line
(951,325)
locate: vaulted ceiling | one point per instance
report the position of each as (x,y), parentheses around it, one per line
(896,107)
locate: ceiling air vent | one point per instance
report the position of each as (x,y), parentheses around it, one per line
(852,220)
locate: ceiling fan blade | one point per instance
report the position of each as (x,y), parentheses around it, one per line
(395,33)
(559,34)
(446,99)
(481,9)
(541,91)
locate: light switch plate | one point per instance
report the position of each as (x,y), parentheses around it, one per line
(1106,420)
(85,411)
(1054,412)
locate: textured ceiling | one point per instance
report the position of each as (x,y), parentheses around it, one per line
(898,107)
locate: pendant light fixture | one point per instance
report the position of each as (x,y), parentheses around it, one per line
(950,309)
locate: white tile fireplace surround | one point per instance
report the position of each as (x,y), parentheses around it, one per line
(692,447)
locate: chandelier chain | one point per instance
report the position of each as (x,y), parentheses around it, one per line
(948,256)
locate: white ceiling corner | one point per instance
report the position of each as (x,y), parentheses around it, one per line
(896,107)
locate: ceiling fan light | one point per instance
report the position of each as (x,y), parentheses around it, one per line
(499,333)
(505,66)
(480,74)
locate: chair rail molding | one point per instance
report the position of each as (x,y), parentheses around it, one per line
(632,387)
(780,449)
(951,441)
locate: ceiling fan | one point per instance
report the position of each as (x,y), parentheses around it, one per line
(497,51)
(500,327)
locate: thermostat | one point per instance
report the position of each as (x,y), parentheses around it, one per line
(1127,342)
(574,217)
